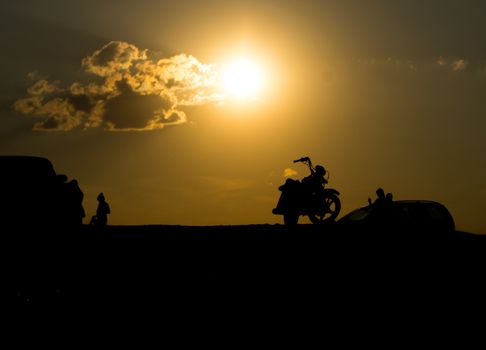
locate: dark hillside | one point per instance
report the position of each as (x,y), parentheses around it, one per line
(185,269)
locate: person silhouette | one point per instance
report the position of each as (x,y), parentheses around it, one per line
(101,217)
(382,207)
(380,198)
(315,180)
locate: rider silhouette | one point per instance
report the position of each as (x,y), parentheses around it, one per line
(314,183)
(316,179)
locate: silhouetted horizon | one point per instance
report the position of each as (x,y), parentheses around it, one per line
(35,194)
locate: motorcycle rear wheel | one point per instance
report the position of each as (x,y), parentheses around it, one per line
(330,211)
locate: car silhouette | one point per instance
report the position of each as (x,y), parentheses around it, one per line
(405,215)
(32,194)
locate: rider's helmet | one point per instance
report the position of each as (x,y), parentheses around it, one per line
(320,170)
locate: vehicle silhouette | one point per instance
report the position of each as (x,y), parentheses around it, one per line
(34,195)
(308,197)
(404,215)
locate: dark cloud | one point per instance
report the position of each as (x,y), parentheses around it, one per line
(129,92)
(133,111)
(58,108)
(51,123)
(81,103)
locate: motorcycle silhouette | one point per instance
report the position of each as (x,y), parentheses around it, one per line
(308,197)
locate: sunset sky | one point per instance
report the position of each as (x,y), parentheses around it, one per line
(191,112)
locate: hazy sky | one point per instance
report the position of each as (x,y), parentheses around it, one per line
(130,98)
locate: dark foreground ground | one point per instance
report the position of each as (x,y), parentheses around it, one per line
(262,270)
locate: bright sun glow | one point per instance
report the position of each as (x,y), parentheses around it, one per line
(242,80)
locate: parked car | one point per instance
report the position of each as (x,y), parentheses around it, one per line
(416,215)
(32,194)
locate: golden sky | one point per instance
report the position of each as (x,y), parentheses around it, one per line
(189,112)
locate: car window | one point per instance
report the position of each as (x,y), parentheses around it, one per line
(420,214)
(403,214)
(435,214)
(359,214)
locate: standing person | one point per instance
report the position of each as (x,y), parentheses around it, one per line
(101,217)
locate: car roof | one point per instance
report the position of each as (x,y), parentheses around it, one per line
(401,202)
(405,201)
(26,166)
(424,201)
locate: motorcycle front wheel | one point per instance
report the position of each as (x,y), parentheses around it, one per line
(328,211)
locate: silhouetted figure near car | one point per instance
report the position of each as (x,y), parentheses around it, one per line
(101,217)
(381,207)
(380,198)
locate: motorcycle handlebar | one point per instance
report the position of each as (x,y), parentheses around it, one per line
(303,159)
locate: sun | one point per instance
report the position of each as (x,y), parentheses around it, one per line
(242,79)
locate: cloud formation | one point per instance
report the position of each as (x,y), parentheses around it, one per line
(127,91)
(443,64)
(458,65)
(455,65)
